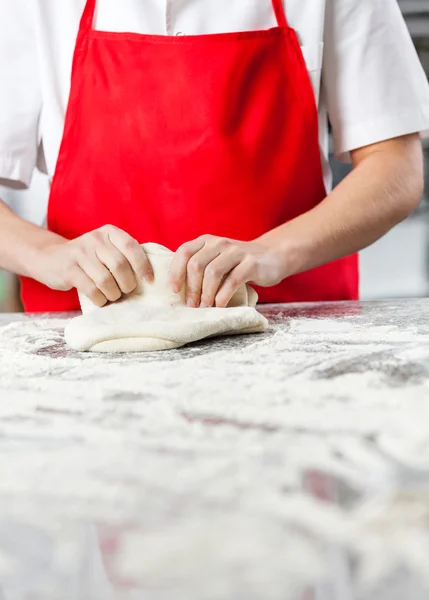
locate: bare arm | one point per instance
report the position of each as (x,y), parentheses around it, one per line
(20,241)
(385,186)
(102,264)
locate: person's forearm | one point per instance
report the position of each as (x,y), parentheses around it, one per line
(102,264)
(383,189)
(20,242)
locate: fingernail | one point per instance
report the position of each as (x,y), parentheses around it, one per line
(191,304)
(148,277)
(175,288)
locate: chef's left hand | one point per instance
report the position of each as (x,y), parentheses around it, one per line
(215,267)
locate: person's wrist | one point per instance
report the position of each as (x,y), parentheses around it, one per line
(32,254)
(283,254)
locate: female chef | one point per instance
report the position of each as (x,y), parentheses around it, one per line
(203,126)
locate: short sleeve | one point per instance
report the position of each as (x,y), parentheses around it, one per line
(374,85)
(20,97)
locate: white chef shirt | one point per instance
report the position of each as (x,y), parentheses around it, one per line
(365,72)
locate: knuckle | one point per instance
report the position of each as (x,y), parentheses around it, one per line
(193,297)
(185,251)
(192,292)
(131,244)
(104,280)
(195,267)
(233,283)
(106,229)
(206,237)
(213,272)
(94,237)
(225,244)
(120,264)
(146,268)
(93,292)
(145,273)
(250,259)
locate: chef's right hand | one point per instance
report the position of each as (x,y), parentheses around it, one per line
(102,264)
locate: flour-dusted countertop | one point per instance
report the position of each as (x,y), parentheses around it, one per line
(257,467)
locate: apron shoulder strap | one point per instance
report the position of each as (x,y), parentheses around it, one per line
(87,21)
(280,13)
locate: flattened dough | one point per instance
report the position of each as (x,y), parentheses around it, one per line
(154,318)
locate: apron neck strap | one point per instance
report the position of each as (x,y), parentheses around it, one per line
(87,21)
(280,13)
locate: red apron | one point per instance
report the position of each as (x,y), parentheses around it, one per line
(170,138)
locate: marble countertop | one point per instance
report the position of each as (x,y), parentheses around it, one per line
(288,465)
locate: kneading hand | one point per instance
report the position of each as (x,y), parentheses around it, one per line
(102,264)
(214,268)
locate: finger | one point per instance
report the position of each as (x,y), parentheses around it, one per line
(215,274)
(100,275)
(196,272)
(133,252)
(118,266)
(86,286)
(179,264)
(236,278)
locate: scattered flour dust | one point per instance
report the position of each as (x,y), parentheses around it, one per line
(224,432)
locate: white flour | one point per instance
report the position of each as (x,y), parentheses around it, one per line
(215,440)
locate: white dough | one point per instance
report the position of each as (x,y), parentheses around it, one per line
(154,318)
